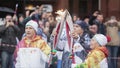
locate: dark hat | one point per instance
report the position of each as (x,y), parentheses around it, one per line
(82,24)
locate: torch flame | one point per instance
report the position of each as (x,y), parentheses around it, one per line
(60,12)
(60,15)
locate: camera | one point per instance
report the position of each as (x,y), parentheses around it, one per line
(9,20)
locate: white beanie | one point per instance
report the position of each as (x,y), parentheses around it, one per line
(101,39)
(33,24)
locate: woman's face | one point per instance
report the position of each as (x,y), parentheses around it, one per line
(77,29)
(74,18)
(93,29)
(93,44)
(30,32)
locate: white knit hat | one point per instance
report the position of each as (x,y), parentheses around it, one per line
(33,24)
(101,39)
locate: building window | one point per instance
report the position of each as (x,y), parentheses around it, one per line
(83,6)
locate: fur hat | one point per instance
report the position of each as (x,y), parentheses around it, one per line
(101,39)
(33,24)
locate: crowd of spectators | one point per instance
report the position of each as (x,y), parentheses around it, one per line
(12,31)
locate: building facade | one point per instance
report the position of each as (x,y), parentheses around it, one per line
(75,7)
(85,7)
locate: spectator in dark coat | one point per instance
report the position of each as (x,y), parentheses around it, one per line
(93,16)
(8,42)
(99,22)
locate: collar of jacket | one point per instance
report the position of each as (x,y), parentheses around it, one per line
(34,39)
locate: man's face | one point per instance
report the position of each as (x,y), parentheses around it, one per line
(100,18)
(77,29)
(95,13)
(8,18)
(74,18)
(93,29)
(30,32)
(87,20)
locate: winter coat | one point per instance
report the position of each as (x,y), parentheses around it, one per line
(37,42)
(94,59)
(82,46)
(101,27)
(112,31)
(85,41)
(37,50)
(8,36)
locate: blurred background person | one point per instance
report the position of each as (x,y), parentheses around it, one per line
(100,24)
(112,28)
(8,43)
(93,16)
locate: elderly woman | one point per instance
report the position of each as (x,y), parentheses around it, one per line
(34,48)
(97,56)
